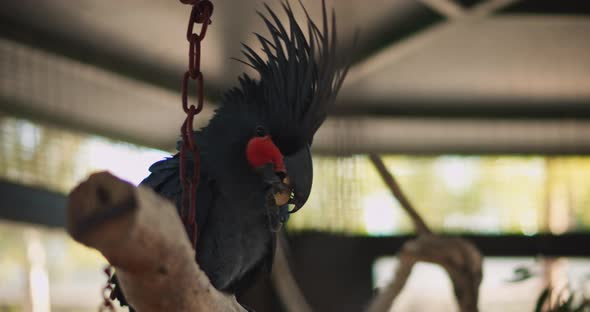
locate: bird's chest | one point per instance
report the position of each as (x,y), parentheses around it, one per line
(236,237)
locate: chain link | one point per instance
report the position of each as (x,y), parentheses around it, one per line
(107,304)
(200,14)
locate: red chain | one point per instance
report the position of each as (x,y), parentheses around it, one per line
(107,304)
(200,14)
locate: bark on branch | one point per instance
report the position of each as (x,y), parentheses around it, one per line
(141,234)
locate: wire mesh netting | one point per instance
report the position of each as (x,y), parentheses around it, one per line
(481,194)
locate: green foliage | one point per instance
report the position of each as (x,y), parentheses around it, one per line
(550,300)
(521,273)
(566,301)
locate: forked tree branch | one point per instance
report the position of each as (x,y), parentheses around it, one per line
(460,258)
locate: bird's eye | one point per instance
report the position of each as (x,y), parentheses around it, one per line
(260,131)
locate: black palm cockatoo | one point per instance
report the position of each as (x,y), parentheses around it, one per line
(258,139)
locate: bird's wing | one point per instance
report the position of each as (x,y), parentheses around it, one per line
(165,180)
(235,245)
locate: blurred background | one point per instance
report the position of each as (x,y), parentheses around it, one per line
(480,108)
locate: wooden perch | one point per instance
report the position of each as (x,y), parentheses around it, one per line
(141,234)
(460,258)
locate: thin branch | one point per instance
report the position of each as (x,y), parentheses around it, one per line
(384,300)
(460,258)
(389,180)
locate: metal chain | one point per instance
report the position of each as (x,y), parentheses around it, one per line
(200,14)
(107,304)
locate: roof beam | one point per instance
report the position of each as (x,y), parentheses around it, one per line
(44,86)
(448,8)
(346,136)
(420,40)
(29,204)
(100,56)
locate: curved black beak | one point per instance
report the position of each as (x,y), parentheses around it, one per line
(300,171)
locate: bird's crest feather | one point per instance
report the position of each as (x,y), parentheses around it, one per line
(300,72)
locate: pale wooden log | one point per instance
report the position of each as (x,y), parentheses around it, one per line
(141,234)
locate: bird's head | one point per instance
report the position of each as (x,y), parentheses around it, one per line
(294,172)
(276,113)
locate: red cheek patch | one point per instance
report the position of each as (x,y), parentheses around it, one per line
(261,151)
